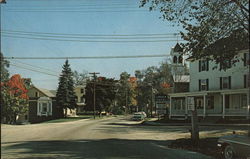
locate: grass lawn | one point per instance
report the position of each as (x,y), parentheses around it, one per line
(207,144)
(79,117)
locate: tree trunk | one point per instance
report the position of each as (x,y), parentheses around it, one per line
(195,128)
(65,112)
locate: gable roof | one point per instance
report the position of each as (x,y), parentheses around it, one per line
(48,93)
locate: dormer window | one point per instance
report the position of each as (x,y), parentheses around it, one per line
(175,59)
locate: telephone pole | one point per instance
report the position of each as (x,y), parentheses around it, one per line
(94,76)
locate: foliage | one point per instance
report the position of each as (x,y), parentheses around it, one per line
(104,94)
(14,99)
(79,78)
(156,80)
(4,74)
(206,23)
(65,95)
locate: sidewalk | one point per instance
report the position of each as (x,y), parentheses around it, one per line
(152,122)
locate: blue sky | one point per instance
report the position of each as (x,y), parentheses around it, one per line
(82,17)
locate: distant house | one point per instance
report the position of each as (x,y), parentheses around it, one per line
(80,93)
(42,105)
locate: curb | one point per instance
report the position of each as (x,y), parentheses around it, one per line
(189,124)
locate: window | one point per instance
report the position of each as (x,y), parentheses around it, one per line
(246,59)
(37,94)
(180,59)
(44,108)
(246,81)
(210,102)
(203,85)
(199,103)
(225,82)
(203,65)
(82,90)
(175,59)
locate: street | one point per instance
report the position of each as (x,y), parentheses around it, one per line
(112,137)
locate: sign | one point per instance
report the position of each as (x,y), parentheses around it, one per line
(161,102)
(190,103)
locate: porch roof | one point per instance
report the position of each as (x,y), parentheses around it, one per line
(201,93)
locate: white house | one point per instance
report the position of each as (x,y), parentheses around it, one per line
(215,92)
(80,93)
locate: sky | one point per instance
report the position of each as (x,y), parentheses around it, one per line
(81,17)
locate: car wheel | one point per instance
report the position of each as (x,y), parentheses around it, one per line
(228,152)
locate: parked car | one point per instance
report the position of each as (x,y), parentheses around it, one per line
(144,114)
(138,116)
(234,146)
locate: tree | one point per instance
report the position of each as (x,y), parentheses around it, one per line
(223,24)
(104,93)
(151,81)
(14,99)
(65,95)
(4,74)
(80,78)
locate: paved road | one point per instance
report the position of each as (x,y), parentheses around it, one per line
(109,138)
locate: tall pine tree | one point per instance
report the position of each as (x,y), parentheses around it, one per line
(65,96)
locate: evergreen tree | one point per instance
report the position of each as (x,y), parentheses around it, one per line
(65,95)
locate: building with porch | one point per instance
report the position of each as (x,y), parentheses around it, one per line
(215,92)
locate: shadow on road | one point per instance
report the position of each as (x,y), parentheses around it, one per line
(103,149)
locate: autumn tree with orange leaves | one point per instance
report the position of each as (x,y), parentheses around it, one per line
(14,99)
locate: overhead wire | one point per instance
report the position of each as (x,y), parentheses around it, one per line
(89,57)
(77,34)
(34,70)
(43,68)
(75,40)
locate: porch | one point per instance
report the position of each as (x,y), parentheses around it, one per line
(212,103)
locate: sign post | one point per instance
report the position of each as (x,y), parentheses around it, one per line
(194,121)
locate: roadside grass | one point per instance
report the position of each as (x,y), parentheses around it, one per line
(68,119)
(207,144)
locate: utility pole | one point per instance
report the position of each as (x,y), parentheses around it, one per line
(94,76)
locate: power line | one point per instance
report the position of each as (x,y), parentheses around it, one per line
(49,33)
(18,66)
(77,11)
(102,41)
(37,66)
(88,57)
(85,37)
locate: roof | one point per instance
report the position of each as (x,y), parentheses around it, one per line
(181,78)
(178,48)
(48,93)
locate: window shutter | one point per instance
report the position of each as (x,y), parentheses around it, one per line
(199,65)
(207,65)
(220,82)
(245,81)
(199,85)
(207,82)
(229,82)
(245,59)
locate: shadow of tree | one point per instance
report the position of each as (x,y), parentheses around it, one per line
(103,149)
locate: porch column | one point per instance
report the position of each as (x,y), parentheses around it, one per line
(223,106)
(248,105)
(170,106)
(204,106)
(186,107)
